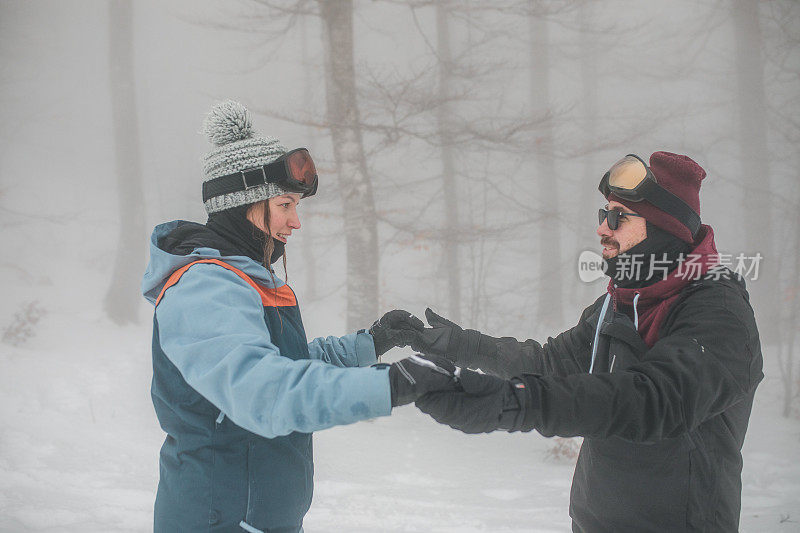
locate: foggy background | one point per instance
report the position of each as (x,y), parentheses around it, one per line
(459,147)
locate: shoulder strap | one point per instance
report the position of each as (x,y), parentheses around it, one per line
(283,296)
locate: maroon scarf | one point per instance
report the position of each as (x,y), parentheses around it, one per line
(656,300)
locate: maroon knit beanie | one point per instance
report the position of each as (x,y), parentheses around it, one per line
(681,176)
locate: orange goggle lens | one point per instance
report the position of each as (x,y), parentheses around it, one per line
(301,167)
(627,173)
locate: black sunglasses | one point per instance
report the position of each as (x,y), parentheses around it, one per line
(613,216)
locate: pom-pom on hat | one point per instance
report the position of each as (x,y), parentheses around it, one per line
(681,176)
(238,148)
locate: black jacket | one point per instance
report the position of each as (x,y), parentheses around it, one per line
(663,430)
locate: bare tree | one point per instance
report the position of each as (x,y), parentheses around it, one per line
(550,309)
(782,57)
(589,83)
(587,46)
(755,161)
(122,299)
(351,166)
(444,111)
(790,325)
(447,107)
(309,257)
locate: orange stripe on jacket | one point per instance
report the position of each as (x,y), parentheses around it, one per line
(283,296)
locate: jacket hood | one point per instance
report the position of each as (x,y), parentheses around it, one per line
(175,244)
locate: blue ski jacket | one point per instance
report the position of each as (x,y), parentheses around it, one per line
(239,390)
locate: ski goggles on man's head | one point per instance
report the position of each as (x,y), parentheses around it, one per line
(294,171)
(632,180)
(613,216)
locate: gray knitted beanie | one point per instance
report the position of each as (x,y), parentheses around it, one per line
(228,126)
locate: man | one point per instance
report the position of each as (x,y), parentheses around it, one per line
(658,375)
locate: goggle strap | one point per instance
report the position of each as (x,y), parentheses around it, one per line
(669,203)
(659,197)
(273,172)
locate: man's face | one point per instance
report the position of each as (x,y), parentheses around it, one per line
(630,232)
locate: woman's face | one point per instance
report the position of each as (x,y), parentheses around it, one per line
(283,216)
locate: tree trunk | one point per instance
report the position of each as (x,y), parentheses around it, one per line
(756,203)
(310,291)
(360,224)
(550,308)
(590,199)
(450,240)
(790,327)
(123,296)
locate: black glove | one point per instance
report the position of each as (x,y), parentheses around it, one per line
(395,328)
(487,403)
(416,375)
(448,339)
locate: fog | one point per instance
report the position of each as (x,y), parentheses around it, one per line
(484,129)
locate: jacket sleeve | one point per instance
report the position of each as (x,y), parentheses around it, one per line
(567,353)
(355,349)
(212,328)
(707,362)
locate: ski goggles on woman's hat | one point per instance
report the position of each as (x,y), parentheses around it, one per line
(294,171)
(632,180)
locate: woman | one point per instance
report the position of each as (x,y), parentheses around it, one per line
(236,386)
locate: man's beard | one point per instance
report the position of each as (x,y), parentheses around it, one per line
(647,262)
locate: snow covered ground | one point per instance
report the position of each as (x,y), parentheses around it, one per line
(79,445)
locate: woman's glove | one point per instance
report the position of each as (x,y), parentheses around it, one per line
(448,339)
(418,374)
(486,403)
(395,328)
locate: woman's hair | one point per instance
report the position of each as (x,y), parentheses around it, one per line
(269,245)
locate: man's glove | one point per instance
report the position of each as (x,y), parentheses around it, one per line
(395,328)
(448,339)
(416,375)
(485,404)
